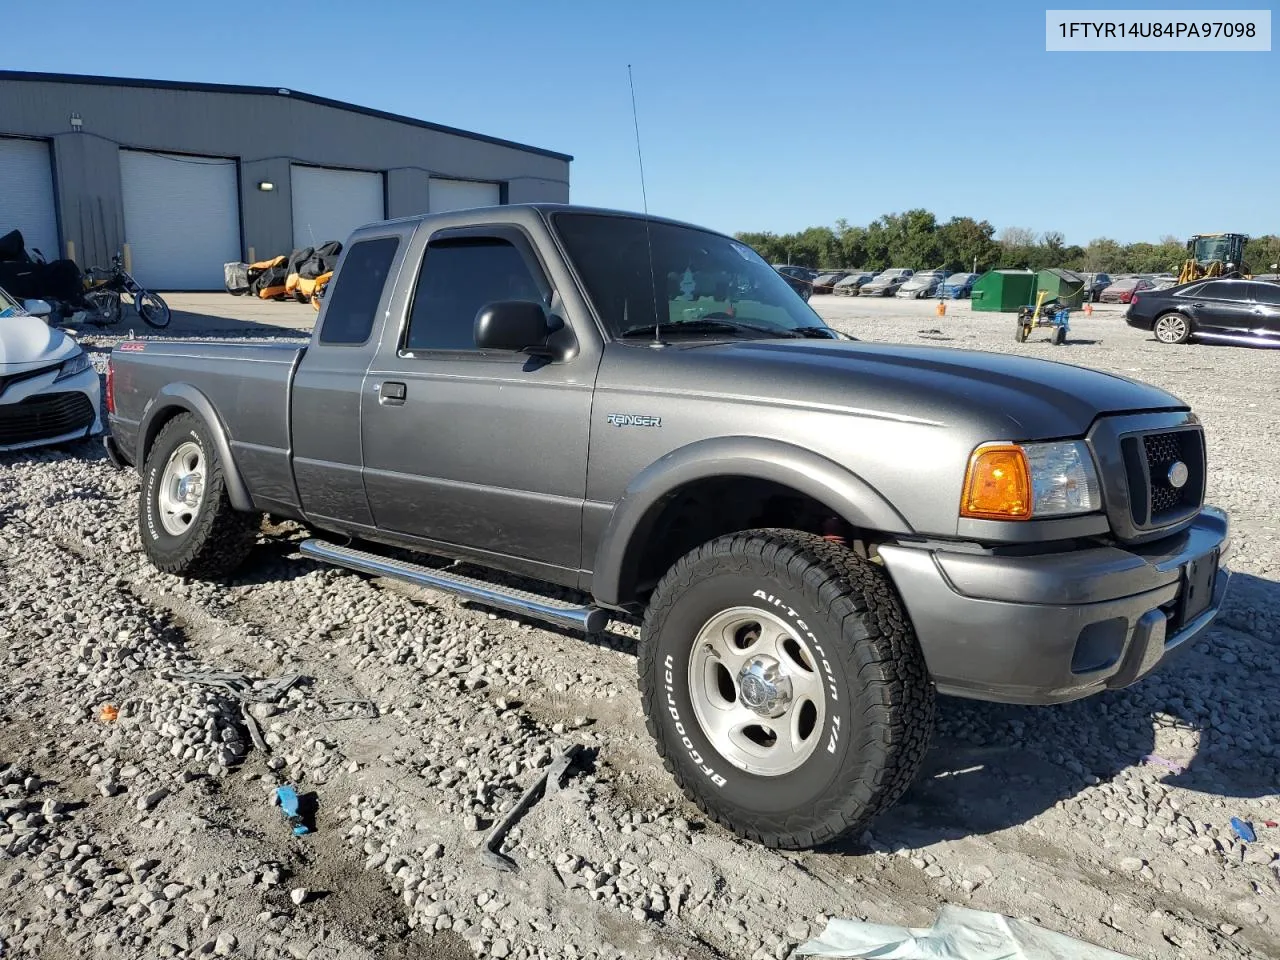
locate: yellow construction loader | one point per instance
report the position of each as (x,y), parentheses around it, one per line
(1215,255)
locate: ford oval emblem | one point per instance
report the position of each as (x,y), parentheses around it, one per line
(1178,474)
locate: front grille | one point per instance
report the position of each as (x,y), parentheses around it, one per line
(43,417)
(7,382)
(1149,458)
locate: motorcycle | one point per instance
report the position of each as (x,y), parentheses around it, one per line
(104,293)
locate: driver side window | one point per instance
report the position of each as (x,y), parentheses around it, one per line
(459,276)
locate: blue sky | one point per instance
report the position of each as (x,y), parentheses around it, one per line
(756,115)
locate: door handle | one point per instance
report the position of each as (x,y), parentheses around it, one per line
(391,393)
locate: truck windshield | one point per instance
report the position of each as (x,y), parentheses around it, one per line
(697,276)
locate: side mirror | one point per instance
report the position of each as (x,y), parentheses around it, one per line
(37,308)
(520,326)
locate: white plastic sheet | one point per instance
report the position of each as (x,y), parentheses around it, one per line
(958,934)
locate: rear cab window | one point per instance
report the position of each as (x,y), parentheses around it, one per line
(352,306)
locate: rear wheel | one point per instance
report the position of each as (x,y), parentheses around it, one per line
(1059,336)
(104,307)
(784,686)
(185,518)
(1172,328)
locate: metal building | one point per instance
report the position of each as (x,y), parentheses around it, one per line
(184,177)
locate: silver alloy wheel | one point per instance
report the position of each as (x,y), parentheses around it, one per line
(756,691)
(181,488)
(1171,328)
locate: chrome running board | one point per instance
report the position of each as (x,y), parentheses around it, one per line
(557,612)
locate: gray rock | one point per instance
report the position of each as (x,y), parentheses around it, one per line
(226,944)
(1131,864)
(299,895)
(150,801)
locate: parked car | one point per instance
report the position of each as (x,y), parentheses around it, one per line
(800,286)
(1094,284)
(959,286)
(49,391)
(887,283)
(922,284)
(1122,291)
(511,388)
(851,285)
(799,273)
(1235,311)
(823,282)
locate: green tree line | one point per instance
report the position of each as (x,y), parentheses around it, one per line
(916,239)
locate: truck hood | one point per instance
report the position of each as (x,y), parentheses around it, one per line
(1013,398)
(27,343)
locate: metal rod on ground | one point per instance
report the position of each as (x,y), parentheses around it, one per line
(553,774)
(251,722)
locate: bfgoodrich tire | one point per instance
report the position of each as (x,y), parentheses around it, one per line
(185,518)
(784,686)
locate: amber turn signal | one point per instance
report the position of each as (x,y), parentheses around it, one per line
(997,485)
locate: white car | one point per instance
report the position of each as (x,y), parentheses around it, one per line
(49,391)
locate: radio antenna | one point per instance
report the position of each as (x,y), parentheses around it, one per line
(644,196)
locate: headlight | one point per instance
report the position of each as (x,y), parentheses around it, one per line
(1030,481)
(77,364)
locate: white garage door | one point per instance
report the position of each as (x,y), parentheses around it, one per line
(328,204)
(26,194)
(181,218)
(463,194)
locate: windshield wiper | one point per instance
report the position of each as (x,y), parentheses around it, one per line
(717,325)
(817,333)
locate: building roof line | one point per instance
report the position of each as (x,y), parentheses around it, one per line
(86,79)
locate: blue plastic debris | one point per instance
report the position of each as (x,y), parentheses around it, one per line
(286,799)
(1243,830)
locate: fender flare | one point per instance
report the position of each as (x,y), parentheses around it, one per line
(183,396)
(633,516)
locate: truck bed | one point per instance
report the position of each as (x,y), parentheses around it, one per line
(246,384)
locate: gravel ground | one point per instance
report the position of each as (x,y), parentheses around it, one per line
(149,830)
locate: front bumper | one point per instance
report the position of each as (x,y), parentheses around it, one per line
(1056,627)
(45,411)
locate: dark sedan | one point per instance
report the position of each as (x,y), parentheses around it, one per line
(1234,311)
(802,287)
(823,282)
(1094,284)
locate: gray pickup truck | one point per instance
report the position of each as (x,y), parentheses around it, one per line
(820,534)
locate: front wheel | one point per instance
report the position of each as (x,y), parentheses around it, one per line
(784,686)
(152,309)
(1172,328)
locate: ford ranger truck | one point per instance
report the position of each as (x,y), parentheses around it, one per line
(820,534)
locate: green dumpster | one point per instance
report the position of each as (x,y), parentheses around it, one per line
(1064,285)
(1003,291)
